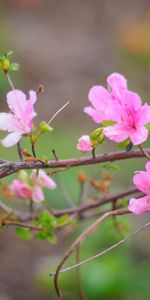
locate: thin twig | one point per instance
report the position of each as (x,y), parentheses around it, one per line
(81,292)
(144,151)
(80,240)
(57,112)
(20,152)
(33,150)
(9,80)
(15,223)
(107,250)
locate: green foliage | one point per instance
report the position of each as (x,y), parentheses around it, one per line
(108,123)
(129,147)
(110,166)
(48,223)
(97,136)
(5,63)
(23,233)
(124,144)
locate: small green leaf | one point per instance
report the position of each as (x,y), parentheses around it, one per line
(148,126)
(47,220)
(108,123)
(124,144)
(129,147)
(41,236)
(62,220)
(14,67)
(52,239)
(44,127)
(110,166)
(23,233)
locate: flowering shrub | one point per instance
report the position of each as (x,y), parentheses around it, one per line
(121,118)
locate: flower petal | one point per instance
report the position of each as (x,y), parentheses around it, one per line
(140,205)
(37,194)
(117,83)
(11,139)
(44,180)
(99,97)
(139,135)
(17,102)
(97,116)
(142,181)
(116,133)
(6,121)
(32,97)
(147,166)
(131,101)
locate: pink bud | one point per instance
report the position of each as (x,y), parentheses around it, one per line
(84,144)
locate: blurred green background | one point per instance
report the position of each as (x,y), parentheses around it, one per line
(68,46)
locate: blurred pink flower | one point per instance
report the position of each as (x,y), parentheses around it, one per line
(84,144)
(37,194)
(19,121)
(142,182)
(133,117)
(42,179)
(106,104)
(23,190)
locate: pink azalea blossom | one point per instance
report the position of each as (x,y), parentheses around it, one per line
(106,104)
(37,194)
(42,179)
(20,119)
(23,190)
(142,182)
(133,119)
(84,144)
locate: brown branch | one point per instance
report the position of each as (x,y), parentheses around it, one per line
(76,211)
(95,204)
(108,249)
(80,240)
(15,223)
(13,167)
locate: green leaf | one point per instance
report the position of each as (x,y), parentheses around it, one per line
(110,166)
(14,67)
(23,233)
(129,147)
(41,236)
(124,144)
(44,127)
(52,239)
(47,220)
(61,221)
(108,123)
(148,126)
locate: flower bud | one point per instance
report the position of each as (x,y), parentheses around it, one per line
(44,127)
(81,177)
(84,144)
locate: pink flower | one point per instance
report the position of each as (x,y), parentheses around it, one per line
(106,104)
(42,179)
(121,106)
(21,189)
(84,144)
(20,119)
(133,117)
(142,182)
(37,194)
(45,181)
